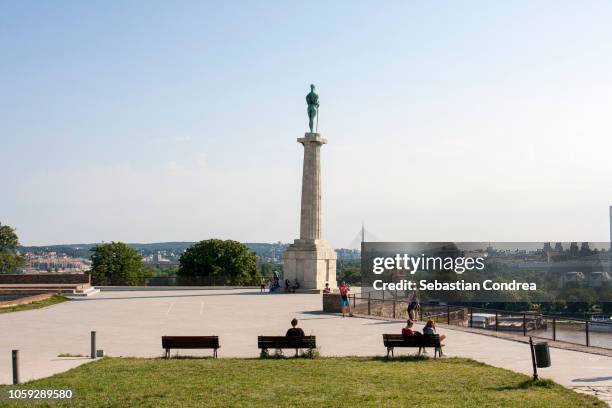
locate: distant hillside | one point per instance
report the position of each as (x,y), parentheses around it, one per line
(83,250)
(266,251)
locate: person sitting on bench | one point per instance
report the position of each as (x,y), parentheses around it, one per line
(407,331)
(296,286)
(430,330)
(294,331)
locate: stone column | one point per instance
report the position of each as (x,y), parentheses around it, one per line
(310,220)
(309,259)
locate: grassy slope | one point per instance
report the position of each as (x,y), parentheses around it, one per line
(35,305)
(329,382)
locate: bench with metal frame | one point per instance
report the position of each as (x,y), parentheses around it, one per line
(286,342)
(190,342)
(421,341)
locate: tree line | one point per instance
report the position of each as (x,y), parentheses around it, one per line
(208,262)
(216,261)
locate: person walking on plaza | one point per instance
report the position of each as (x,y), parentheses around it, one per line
(344,299)
(413,309)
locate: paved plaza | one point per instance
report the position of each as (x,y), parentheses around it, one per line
(131,323)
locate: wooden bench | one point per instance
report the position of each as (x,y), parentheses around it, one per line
(190,342)
(397,340)
(286,342)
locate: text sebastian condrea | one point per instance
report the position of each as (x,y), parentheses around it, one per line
(452,286)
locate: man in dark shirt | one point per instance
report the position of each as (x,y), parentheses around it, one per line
(294,331)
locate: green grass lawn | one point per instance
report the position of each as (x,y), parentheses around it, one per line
(323,382)
(35,305)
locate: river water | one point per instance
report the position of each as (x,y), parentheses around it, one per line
(574,332)
(576,335)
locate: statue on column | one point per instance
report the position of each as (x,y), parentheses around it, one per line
(312,99)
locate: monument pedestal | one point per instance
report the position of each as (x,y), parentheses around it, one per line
(312,263)
(309,259)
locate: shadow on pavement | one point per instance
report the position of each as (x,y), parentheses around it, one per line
(158,297)
(384,322)
(593,379)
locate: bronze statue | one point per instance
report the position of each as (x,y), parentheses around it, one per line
(312,99)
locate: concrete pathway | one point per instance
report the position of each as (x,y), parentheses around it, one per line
(131,324)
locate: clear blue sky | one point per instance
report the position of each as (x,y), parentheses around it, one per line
(157,121)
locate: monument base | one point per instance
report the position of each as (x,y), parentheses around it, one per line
(311,262)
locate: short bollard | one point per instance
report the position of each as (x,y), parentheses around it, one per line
(93,344)
(15,355)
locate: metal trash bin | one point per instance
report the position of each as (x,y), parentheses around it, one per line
(542,354)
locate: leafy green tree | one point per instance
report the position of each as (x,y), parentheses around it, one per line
(156,271)
(221,262)
(579,299)
(10,259)
(349,272)
(116,263)
(267,269)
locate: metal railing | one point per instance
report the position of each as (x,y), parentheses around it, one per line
(557,328)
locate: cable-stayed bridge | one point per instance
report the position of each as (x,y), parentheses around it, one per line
(363,235)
